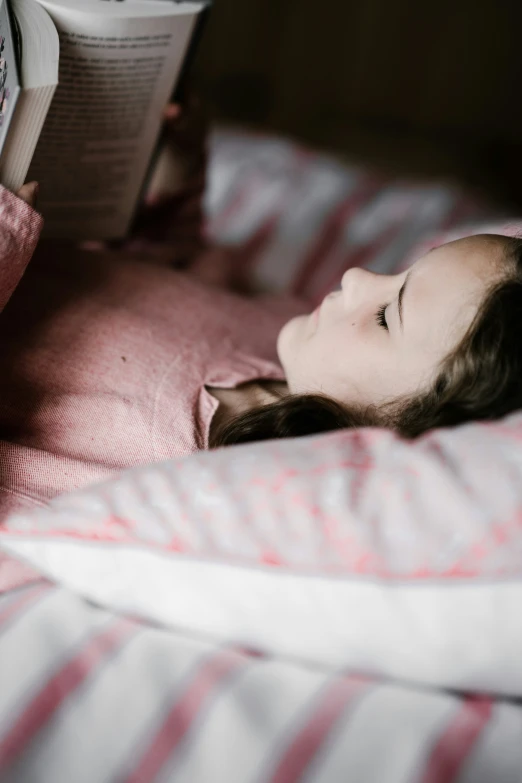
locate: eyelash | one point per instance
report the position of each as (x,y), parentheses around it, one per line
(379,317)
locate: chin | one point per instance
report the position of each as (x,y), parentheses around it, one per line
(289,338)
(280,345)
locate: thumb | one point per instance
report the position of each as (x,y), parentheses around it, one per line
(29,193)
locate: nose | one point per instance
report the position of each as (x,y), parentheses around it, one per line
(360,286)
(357,276)
(356,282)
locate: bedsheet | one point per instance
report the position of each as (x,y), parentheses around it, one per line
(342,605)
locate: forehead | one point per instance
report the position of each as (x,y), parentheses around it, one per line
(446,286)
(479,255)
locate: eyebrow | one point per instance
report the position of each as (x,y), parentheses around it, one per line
(401,294)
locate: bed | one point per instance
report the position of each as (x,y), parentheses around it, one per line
(343,606)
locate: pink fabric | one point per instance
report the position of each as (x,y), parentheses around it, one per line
(105,357)
(20,228)
(417,543)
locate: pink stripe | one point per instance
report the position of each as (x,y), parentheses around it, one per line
(16,607)
(15,573)
(457,740)
(330,234)
(334,702)
(212,675)
(59,687)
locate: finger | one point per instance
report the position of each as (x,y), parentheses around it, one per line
(172,111)
(28,193)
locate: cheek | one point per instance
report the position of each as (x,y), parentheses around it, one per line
(325,355)
(302,353)
(329,358)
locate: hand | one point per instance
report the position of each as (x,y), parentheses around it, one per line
(183,150)
(185,132)
(29,193)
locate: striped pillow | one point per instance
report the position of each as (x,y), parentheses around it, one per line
(348,549)
(271,611)
(291,220)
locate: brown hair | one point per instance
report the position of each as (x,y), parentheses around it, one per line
(480,379)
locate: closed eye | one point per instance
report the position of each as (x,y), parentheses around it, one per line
(380,317)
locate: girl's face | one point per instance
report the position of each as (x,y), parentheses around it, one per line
(384,336)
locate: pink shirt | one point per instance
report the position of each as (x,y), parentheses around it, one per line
(105,359)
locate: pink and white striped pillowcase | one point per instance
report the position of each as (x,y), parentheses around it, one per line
(315,216)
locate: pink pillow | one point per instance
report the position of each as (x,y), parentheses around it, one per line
(20,229)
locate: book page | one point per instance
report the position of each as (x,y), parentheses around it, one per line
(105,118)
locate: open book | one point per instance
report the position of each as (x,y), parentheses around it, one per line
(83,86)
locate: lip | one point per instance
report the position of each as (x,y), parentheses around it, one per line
(315,314)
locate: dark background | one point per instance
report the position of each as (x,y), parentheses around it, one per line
(415,88)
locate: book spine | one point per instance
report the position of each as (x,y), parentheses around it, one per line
(181,90)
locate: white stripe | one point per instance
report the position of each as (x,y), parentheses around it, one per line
(417,632)
(302,223)
(255,209)
(32,650)
(426,215)
(497,756)
(268,163)
(116,713)
(386,738)
(236,738)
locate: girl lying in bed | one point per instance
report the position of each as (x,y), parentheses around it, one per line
(113,359)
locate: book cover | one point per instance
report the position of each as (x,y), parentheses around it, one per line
(9,72)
